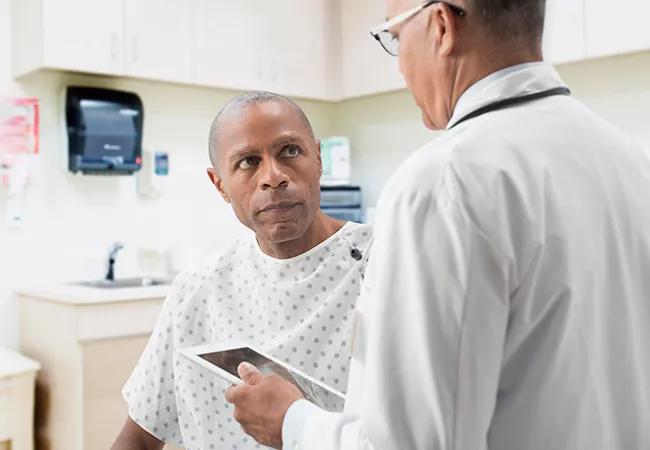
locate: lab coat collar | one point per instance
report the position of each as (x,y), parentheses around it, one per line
(515,81)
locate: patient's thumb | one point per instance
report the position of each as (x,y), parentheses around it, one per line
(249,373)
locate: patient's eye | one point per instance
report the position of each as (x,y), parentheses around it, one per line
(247,163)
(290,151)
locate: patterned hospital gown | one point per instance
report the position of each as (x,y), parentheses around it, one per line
(297,309)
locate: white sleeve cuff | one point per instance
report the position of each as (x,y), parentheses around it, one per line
(294,423)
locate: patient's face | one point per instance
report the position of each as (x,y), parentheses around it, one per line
(269,170)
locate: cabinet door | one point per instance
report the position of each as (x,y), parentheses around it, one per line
(279,46)
(157,39)
(617,27)
(227,51)
(367,68)
(83,35)
(300,58)
(564,33)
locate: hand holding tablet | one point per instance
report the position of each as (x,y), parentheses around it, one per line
(224,358)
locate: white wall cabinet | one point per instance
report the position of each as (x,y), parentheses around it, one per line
(616,27)
(139,38)
(581,29)
(299,38)
(79,35)
(564,33)
(284,46)
(366,67)
(280,46)
(224,52)
(158,36)
(318,49)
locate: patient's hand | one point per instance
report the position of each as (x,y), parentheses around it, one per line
(261,403)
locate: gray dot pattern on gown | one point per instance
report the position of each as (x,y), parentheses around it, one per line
(299,310)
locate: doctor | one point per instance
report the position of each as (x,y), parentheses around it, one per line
(507,303)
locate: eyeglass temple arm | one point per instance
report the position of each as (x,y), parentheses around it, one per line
(395,20)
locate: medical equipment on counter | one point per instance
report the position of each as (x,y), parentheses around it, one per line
(342,202)
(335,155)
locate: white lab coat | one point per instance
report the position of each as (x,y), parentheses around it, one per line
(507,303)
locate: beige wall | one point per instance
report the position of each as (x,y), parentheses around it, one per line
(384,129)
(70,221)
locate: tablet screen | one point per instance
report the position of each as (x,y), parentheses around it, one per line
(229,360)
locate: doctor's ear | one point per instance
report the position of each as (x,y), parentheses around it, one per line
(442,22)
(320,159)
(216,180)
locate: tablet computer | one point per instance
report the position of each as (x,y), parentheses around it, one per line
(223,358)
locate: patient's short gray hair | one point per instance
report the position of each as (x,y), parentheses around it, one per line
(243,101)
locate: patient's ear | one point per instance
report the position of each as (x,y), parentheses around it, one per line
(216,180)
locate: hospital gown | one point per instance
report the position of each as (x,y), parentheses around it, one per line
(298,309)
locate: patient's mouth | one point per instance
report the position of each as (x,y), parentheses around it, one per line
(279,207)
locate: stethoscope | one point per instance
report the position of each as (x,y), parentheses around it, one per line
(514,101)
(357,255)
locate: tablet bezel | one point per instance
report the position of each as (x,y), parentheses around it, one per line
(192,353)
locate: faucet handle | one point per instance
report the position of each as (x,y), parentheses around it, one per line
(112,253)
(115,247)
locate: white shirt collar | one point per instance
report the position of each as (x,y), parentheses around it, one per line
(513,81)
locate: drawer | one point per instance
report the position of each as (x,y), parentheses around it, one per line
(340,196)
(108,321)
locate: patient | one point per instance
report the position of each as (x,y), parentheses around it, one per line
(289,291)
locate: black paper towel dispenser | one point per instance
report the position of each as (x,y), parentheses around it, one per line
(104,130)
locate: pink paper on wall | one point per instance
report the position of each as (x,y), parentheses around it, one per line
(19,133)
(19,122)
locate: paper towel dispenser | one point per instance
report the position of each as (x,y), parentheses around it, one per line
(104,131)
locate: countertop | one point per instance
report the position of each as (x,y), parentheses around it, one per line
(71,294)
(13,363)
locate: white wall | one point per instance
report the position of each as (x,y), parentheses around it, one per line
(386,128)
(71,220)
(617,88)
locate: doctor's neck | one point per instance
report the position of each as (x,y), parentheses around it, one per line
(481,51)
(489,59)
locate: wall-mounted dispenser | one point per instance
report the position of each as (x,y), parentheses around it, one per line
(154,176)
(103,130)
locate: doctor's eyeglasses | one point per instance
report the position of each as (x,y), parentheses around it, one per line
(389,40)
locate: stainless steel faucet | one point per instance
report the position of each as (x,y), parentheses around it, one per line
(112,254)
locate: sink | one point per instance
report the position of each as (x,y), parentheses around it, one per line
(125,283)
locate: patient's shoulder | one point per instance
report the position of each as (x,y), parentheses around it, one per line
(361,231)
(192,280)
(358,235)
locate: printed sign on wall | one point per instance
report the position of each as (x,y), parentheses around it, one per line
(19,136)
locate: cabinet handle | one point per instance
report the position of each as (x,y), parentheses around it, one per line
(114,45)
(134,50)
(260,73)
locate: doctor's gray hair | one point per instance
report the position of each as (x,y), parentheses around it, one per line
(248,99)
(512,19)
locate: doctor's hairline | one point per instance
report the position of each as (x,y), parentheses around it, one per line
(506,18)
